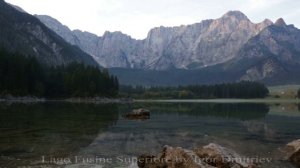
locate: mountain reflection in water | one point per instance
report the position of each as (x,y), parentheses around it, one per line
(33,131)
(58,130)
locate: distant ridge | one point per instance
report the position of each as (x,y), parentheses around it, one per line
(195,46)
(230,48)
(23,33)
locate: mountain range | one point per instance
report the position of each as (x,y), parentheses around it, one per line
(25,34)
(186,47)
(230,48)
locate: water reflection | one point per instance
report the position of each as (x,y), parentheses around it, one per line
(67,130)
(30,131)
(242,111)
(184,125)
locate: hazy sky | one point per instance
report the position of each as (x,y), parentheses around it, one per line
(137,17)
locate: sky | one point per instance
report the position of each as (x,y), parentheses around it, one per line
(137,17)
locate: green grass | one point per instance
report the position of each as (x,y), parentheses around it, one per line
(284,91)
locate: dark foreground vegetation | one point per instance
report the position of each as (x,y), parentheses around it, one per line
(21,76)
(244,89)
(298,94)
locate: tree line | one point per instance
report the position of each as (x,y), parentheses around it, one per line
(23,76)
(243,89)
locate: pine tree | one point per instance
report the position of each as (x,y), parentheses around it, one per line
(22,76)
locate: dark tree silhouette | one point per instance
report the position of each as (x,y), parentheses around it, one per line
(21,76)
(244,89)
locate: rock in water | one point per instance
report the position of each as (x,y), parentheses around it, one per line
(210,156)
(141,111)
(292,152)
(172,158)
(219,156)
(138,114)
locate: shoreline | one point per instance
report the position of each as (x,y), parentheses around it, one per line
(96,100)
(99,100)
(266,100)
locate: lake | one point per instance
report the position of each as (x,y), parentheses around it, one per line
(97,135)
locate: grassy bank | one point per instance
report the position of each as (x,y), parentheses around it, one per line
(284,91)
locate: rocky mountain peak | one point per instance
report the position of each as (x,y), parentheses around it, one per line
(78,32)
(17,8)
(195,46)
(267,22)
(264,24)
(235,14)
(48,19)
(116,33)
(117,36)
(280,22)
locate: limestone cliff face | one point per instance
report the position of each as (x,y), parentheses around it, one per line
(60,29)
(279,40)
(186,47)
(278,45)
(204,44)
(113,49)
(230,48)
(255,51)
(117,50)
(264,70)
(86,41)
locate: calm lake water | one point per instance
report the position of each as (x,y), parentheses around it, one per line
(89,135)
